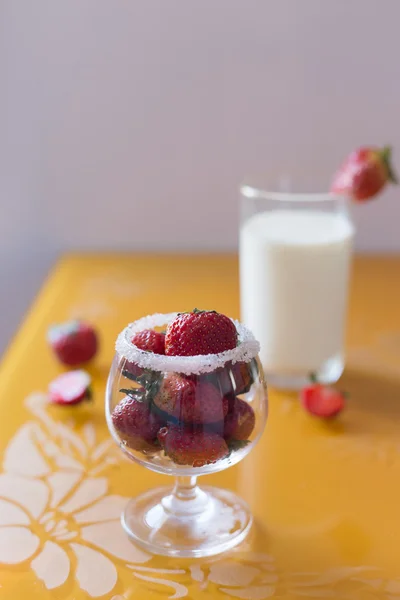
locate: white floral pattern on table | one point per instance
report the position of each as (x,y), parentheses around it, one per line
(53,506)
(58,518)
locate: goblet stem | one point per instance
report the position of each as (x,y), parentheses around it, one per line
(185,487)
(187,499)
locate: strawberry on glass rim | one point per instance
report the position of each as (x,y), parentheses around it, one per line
(200,332)
(364,173)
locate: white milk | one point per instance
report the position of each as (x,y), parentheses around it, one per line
(294,272)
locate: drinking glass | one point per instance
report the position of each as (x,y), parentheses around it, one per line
(295,255)
(186,417)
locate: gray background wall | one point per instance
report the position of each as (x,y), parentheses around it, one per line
(129,124)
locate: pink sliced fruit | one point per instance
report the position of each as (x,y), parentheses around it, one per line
(70,388)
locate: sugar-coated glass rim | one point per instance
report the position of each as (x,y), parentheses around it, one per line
(249,191)
(247,349)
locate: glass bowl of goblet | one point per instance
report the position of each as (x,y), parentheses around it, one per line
(186,416)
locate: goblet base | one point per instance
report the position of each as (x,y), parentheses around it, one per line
(206,522)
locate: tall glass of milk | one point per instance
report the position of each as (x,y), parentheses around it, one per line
(295,254)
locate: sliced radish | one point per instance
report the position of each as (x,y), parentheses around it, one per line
(70,388)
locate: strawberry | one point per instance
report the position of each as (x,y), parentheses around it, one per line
(364,173)
(149,341)
(70,388)
(136,424)
(200,332)
(190,400)
(74,342)
(194,448)
(239,423)
(243,376)
(232,378)
(322,401)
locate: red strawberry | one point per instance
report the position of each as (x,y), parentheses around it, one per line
(233,378)
(136,425)
(194,448)
(243,377)
(200,332)
(148,340)
(239,423)
(74,342)
(70,388)
(322,401)
(190,400)
(364,173)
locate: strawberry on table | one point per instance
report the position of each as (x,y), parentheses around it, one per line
(364,173)
(136,424)
(190,400)
(200,332)
(322,401)
(74,342)
(194,448)
(70,388)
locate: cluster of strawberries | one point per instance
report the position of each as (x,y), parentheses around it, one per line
(195,419)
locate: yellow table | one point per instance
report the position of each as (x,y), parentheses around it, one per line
(325,496)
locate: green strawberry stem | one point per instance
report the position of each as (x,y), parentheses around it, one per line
(386,156)
(150,382)
(234,445)
(134,393)
(313,377)
(197,311)
(128,375)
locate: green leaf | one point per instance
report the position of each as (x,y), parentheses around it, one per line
(128,375)
(197,311)
(386,155)
(234,445)
(134,393)
(149,381)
